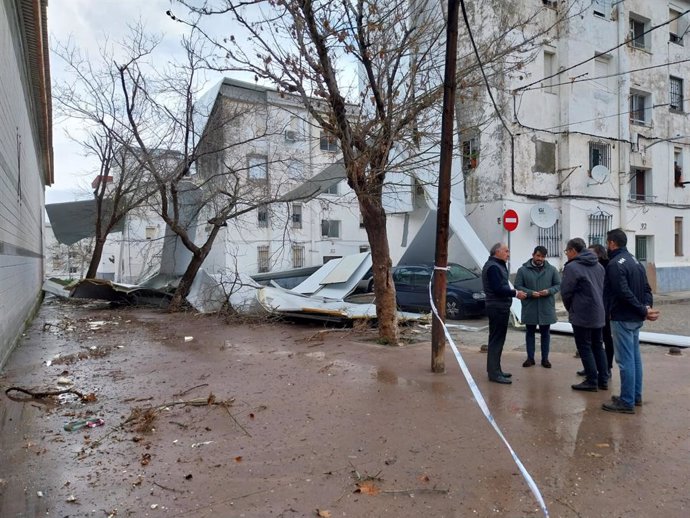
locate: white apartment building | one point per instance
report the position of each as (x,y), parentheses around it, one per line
(26,162)
(291,151)
(597,136)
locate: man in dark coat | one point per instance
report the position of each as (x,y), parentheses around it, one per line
(629,302)
(582,288)
(499,297)
(540,281)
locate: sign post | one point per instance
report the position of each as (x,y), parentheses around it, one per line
(510,223)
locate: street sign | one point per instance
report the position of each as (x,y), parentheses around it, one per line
(510,220)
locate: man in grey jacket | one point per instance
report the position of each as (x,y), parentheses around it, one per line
(540,281)
(582,291)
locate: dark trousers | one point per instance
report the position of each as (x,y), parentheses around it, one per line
(608,343)
(530,340)
(589,345)
(498,327)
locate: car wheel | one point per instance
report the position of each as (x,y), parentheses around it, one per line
(370,287)
(454,309)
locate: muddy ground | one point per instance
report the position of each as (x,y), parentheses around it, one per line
(205,416)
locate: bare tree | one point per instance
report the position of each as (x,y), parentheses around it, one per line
(172,148)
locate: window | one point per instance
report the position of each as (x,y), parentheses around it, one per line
(550,238)
(641,185)
(470,153)
(298,256)
(599,154)
(676,94)
(678,236)
(150,232)
(642,248)
(330,228)
(550,3)
(361,221)
(549,70)
(296,215)
(72,269)
(639,104)
(674,29)
(258,168)
(262,216)
(328,142)
(678,168)
(262,258)
(601,7)
(637,37)
(333,189)
(599,225)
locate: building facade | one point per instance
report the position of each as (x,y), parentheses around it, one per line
(595,135)
(25,162)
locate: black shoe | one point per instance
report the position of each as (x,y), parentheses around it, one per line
(618,406)
(546,364)
(617,399)
(506,375)
(528,362)
(501,379)
(588,387)
(581,373)
(603,386)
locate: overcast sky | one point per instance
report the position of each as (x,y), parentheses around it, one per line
(88,22)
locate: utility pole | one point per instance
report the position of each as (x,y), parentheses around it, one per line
(438,341)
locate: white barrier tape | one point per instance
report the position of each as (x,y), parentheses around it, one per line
(484,407)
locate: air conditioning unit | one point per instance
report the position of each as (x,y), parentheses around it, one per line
(290,136)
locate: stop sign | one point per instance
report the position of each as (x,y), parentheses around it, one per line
(510,220)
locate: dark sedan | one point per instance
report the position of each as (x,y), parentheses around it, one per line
(464,292)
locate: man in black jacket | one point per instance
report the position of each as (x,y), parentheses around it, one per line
(499,297)
(582,287)
(628,300)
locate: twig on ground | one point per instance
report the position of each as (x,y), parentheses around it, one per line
(234,419)
(421,490)
(190,389)
(168,488)
(48,393)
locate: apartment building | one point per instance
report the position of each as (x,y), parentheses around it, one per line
(595,135)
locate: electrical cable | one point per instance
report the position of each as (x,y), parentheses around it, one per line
(602,53)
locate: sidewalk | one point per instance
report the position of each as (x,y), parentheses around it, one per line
(208,418)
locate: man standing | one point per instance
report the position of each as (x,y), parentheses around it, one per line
(582,289)
(540,282)
(629,302)
(499,296)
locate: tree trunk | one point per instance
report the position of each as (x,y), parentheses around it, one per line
(384,289)
(186,281)
(95,259)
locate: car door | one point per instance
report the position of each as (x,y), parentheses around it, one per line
(403,278)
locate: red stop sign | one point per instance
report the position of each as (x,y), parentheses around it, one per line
(510,220)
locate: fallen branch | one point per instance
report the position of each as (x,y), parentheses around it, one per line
(168,488)
(190,389)
(48,393)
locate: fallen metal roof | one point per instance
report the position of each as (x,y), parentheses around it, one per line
(75,220)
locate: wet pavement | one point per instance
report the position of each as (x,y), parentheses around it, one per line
(205,416)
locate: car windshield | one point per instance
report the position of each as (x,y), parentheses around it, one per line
(459,273)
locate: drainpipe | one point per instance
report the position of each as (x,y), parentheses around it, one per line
(623,122)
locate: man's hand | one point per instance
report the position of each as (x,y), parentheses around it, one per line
(520,294)
(544,293)
(653,314)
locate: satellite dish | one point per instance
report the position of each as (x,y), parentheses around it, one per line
(543,215)
(600,173)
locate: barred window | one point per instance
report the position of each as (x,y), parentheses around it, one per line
(550,238)
(599,154)
(262,252)
(599,225)
(262,216)
(676,94)
(297,256)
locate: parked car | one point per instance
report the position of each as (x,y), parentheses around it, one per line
(464,291)
(366,285)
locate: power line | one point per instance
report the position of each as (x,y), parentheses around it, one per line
(572,81)
(603,53)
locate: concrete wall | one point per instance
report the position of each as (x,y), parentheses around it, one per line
(21,190)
